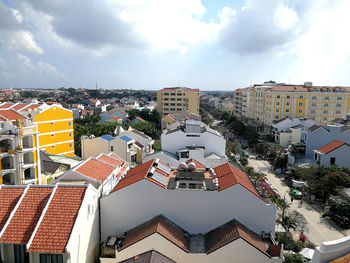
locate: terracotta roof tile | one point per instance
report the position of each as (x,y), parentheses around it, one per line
(11,115)
(151,256)
(163,227)
(228,175)
(344,259)
(198,164)
(19,106)
(22,224)
(31,107)
(134,175)
(229,232)
(331,146)
(95,169)
(6,105)
(57,224)
(9,198)
(110,160)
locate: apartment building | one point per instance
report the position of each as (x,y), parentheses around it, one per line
(178,99)
(54,125)
(271,102)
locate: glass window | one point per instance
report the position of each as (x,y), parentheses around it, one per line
(300,104)
(70,134)
(112,148)
(51,258)
(300,110)
(287,103)
(288,97)
(314,97)
(69,123)
(20,255)
(277,103)
(326,98)
(278,96)
(301,97)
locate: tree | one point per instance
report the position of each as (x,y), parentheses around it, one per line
(293,258)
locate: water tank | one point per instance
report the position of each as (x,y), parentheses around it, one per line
(182,166)
(191,166)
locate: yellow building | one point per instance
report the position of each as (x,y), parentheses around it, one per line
(269,103)
(178,99)
(55,128)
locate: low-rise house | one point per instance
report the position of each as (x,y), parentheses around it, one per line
(222,244)
(106,116)
(137,120)
(103,172)
(318,136)
(334,153)
(49,224)
(178,117)
(193,133)
(196,198)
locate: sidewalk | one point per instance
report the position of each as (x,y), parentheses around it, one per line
(320,229)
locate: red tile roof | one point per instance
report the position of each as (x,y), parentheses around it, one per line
(95,169)
(117,118)
(198,164)
(9,198)
(331,146)
(140,119)
(31,107)
(163,227)
(110,160)
(57,224)
(228,176)
(22,224)
(19,106)
(238,90)
(6,105)
(229,232)
(344,259)
(11,115)
(134,175)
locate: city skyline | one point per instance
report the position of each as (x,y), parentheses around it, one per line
(221,45)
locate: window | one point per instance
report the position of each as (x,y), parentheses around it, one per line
(325,111)
(166,98)
(287,110)
(20,255)
(300,104)
(300,110)
(337,112)
(172,94)
(301,97)
(277,103)
(278,96)
(70,123)
(166,94)
(288,97)
(314,97)
(52,134)
(338,105)
(332,160)
(326,98)
(172,104)
(287,104)
(70,145)
(172,109)
(53,146)
(184,155)
(276,117)
(51,258)
(324,118)
(70,134)
(339,98)
(277,110)
(326,104)
(312,111)
(112,148)
(179,104)
(166,104)
(313,104)
(172,99)
(315,156)
(51,123)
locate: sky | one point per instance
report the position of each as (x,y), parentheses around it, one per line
(151,44)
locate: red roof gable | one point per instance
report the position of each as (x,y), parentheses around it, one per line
(31,107)
(57,224)
(110,160)
(11,115)
(331,146)
(134,175)
(198,164)
(6,105)
(9,198)
(228,176)
(22,224)
(95,169)
(19,106)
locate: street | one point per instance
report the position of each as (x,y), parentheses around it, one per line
(320,229)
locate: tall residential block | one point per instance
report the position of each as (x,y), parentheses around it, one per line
(177,99)
(271,102)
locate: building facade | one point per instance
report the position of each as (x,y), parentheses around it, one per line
(178,99)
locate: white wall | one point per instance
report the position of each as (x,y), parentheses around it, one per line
(239,250)
(84,240)
(197,211)
(174,141)
(331,250)
(285,138)
(342,157)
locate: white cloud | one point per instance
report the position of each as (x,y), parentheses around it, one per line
(14,34)
(20,72)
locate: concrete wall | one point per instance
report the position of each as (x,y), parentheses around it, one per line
(321,137)
(285,138)
(93,147)
(239,250)
(174,141)
(331,250)
(84,240)
(196,211)
(342,157)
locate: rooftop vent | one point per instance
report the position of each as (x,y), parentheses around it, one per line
(191,166)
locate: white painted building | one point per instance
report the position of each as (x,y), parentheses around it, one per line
(61,224)
(331,250)
(193,133)
(334,153)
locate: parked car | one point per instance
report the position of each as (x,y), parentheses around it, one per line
(296,194)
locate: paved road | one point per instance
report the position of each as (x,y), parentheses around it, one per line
(320,229)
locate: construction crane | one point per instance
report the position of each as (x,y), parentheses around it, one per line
(19,151)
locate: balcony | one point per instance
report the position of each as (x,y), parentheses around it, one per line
(8,179)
